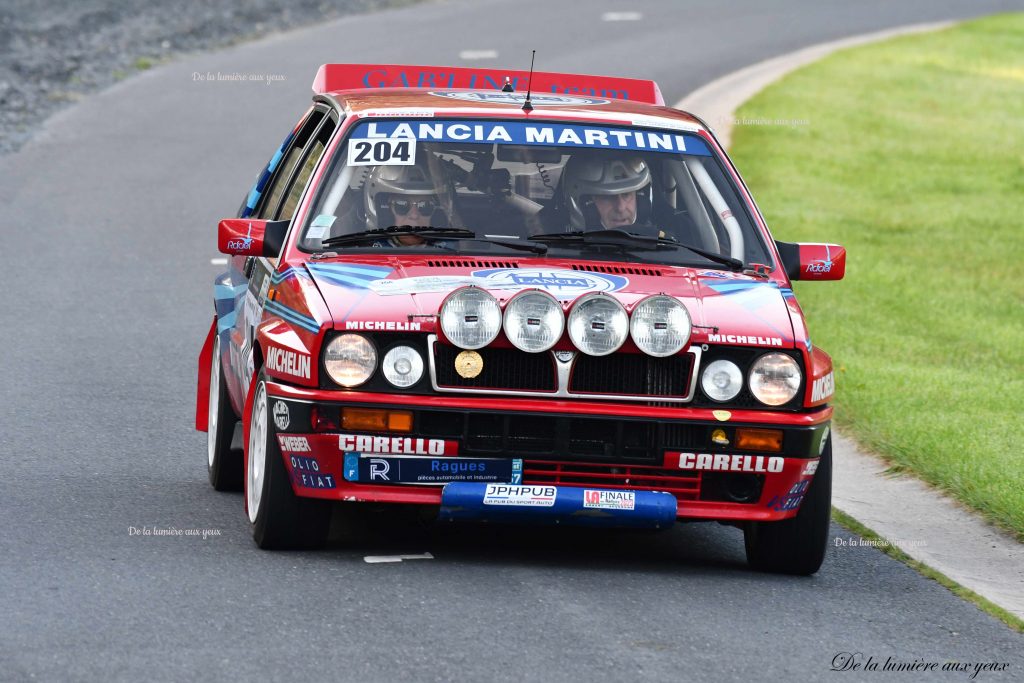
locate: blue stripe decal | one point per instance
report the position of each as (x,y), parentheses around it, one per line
(254,196)
(226,322)
(227,291)
(358,283)
(358,277)
(366,271)
(733,287)
(290,313)
(291,271)
(288,317)
(275,160)
(292,316)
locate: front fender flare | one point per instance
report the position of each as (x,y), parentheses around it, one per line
(203,380)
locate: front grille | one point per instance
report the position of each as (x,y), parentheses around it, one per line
(634,376)
(509,369)
(684,485)
(631,373)
(562,437)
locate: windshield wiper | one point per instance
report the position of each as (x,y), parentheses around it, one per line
(429,233)
(630,240)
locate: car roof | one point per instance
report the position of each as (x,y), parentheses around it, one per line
(421,102)
(420,90)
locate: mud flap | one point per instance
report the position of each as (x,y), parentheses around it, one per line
(568,505)
(203,385)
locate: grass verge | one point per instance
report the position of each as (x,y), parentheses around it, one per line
(911,154)
(882,544)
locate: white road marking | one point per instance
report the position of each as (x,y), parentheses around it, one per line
(622,16)
(218,262)
(378,559)
(478,54)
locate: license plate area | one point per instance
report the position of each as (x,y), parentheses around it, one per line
(426,470)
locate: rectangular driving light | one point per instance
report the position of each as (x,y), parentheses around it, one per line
(374,420)
(748,439)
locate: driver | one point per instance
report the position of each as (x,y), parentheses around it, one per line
(605,191)
(412,195)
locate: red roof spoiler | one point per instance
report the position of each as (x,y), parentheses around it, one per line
(332,77)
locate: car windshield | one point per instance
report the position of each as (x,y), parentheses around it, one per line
(474,186)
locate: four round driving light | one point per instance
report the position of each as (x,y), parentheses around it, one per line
(721,380)
(350,359)
(402,366)
(660,326)
(598,324)
(534,321)
(774,379)
(470,318)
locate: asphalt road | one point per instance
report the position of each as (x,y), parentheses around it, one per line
(107,229)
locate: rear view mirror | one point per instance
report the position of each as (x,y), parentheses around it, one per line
(249,237)
(812,261)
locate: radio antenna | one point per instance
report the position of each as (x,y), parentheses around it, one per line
(527,105)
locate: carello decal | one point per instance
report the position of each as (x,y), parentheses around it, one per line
(396,445)
(561,283)
(723,462)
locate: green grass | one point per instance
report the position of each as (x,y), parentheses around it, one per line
(995,610)
(912,156)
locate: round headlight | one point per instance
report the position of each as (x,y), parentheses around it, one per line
(722,380)
(350,359)
(470,318)
(402,366)
(598,324)
(774,379)
(660,326)
(534,321)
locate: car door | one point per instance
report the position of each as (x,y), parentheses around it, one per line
(278,201)
(233,320)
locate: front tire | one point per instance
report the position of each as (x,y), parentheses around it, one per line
(797,545)
(223,465)
(279,518)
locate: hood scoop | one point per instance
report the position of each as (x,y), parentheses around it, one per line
(621,270)
(470,263)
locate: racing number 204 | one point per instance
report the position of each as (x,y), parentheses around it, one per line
(370,152)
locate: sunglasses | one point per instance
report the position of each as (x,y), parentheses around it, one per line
(402,206)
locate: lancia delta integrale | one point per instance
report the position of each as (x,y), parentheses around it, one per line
(504,297)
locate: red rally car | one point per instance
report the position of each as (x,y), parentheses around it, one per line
(509,297)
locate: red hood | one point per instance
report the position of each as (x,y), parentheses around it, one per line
(398,293)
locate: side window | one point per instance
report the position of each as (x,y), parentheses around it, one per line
(314,150)
(272,193)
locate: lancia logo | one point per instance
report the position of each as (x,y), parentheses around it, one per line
(564,356)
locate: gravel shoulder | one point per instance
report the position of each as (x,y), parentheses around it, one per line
(52,52)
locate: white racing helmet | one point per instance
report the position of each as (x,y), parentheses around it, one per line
(588,175)
(422,179)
